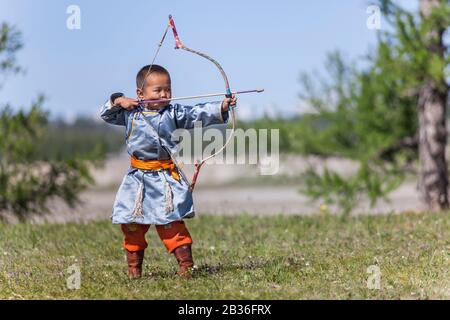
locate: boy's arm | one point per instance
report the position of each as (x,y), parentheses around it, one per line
(208,113)
(114,110)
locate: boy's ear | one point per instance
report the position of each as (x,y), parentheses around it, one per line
(139,93)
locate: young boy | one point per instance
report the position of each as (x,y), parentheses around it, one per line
(152,191)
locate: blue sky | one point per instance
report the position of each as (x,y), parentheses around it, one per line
(260,44)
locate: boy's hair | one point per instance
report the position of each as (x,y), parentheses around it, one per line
(144,72)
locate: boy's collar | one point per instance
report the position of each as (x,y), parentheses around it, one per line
(154,110)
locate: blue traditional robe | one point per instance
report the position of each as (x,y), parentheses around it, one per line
(162,198)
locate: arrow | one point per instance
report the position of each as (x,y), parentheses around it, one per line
(199,96)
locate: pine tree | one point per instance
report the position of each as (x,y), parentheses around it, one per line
(433,96)
(388,115)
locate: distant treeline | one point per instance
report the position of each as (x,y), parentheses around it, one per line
(82,137)
(306,134)
(298,135)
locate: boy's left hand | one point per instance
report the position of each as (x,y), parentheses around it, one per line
(227,102)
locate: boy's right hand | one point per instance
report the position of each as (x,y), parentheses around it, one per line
(126,103)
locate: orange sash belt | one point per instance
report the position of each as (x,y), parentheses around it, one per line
(156,165)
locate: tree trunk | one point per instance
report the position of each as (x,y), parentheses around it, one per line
(433,174)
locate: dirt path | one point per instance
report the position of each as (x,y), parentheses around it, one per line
(229,190)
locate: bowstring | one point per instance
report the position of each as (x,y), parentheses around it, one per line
(154,57)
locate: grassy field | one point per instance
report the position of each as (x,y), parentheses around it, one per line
(242,257)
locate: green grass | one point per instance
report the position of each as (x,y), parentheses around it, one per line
(242,257)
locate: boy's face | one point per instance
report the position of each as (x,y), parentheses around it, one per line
(157,86)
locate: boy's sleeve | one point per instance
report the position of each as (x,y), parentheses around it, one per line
(208,113)
(113,114)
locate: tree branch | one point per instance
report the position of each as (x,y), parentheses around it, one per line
(402,144)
